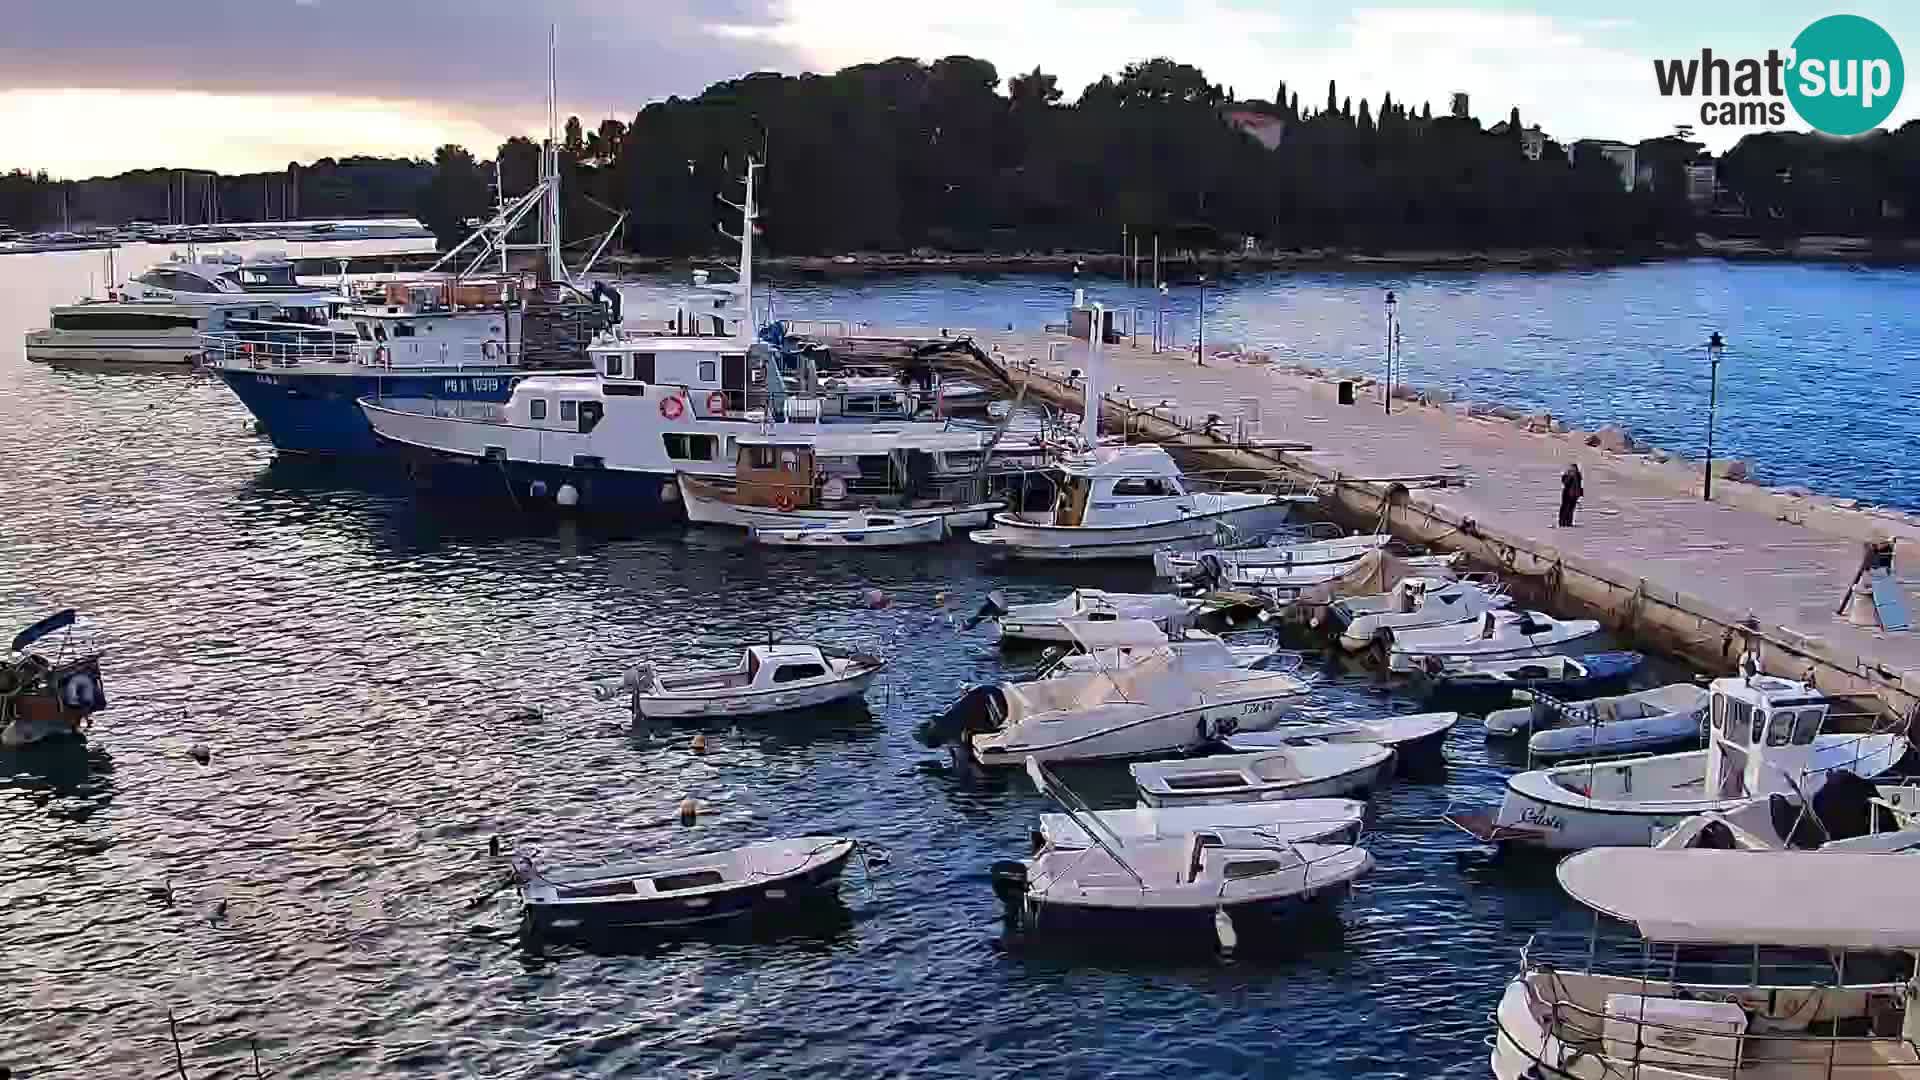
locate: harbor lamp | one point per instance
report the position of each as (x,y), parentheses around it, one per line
(1392,304)
(1716,346)
(1159,324)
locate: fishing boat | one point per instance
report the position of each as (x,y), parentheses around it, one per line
(1296,821)
(1413,604)
(1497,634)
(1634,723)
(1415,739)
(751,881)
(43,697)
(1763,738)
(770,678)
(866,529)
(1747,965)
(1317,770)
(1165,701)
(1211,884)
(1496,680)
(1063,621)
(1126,502)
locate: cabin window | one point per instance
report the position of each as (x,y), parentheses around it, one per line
(1780,733)
(1140,485)
(684,447)
(1807,727)
(762,457)
(1719,713)
(1246,868)
(122,320)
(615,365)
(537,408)
(401,330)
(595,892)
(796,672)
(365,334)
(569,410)
(379,332)
(709,373)
(643,367)
(1738,713)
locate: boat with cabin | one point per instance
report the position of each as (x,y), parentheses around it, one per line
(1466,679)
(1296,821)
(771,678)
(1310,771)
(1498,633)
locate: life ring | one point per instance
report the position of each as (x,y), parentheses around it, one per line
(672,407)
(381,356)
(716,402)
(784,501)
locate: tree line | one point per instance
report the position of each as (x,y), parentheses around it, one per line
(902,154)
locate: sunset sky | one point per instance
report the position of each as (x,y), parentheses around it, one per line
(243,85)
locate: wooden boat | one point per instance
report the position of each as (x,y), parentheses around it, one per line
(1086,608)
(864,529)
(768,679)
(47,698)
(1415,739)
(681,890)
(1290,772)
(1497,679)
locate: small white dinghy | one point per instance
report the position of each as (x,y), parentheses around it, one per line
(1057,621)
(1413,604)
(1326,551)
(1635,723)
(1415,739)
(1297,821)
(768,679)
(1210,884)
(866,529)
(680,890)
(1496,634)
(1290,772)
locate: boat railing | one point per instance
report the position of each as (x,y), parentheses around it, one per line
(260,350)
(1627,957)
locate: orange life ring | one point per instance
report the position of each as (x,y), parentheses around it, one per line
(716,402)
(784,501)
(671,407)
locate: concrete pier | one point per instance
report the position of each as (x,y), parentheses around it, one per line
(1756,568)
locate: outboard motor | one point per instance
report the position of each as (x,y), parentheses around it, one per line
(977,710)
(1207,573)
(1010,882)
(1844,805)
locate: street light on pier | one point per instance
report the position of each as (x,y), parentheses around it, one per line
(1716,346)
(1392,304)
(1201,353)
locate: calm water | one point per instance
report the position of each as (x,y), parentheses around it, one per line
(366,673)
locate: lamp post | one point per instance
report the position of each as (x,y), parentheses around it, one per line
(1716,345)
(1201,354)
(1392,303)
(1159,326)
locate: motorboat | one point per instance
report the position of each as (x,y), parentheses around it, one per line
(1497,634)
(1414,604)
(1118,644)
(1846,814)
(1325,551)
(1296,821)
(161,316)
(1634,723)
(1166,701)
(1316,770)
(866,529)
(769,678)
(1763,738)
(1498,679)
(1126,502)
(47,698)
(1210,884)
(677,891)
(1416,739)
(1049,622)
(1284,584)
(1748,964)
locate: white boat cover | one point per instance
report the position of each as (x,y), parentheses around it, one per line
(1813,899)
(1121,634)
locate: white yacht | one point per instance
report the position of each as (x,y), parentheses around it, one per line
(160,315)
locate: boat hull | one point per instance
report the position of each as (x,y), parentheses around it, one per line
(929,531)
(1144,737)
(308,412)
(758,703)
(1353,781)
(1021,540)
(703,509)
(1170,925)
(763,897)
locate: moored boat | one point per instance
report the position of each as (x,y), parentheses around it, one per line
(1063,621)
(1317,770)
(1413,604)
(866,529)
(1310,821)
(1635,723)
(47,698)
(1497,634)
(1465,678)
(1415,738)
(771,678)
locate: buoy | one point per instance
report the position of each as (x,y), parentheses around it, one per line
(689,810)
(940,599)
(699,742)
(877,599)
(568,495)
(200,753)
(1224,932)
(670,492)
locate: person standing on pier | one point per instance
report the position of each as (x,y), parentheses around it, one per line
(1570,492)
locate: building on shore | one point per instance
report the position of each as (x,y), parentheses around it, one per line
(1621,156)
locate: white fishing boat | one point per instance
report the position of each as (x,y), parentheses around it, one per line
(1497,634)
(1126,502)
(1635,723)
(1763,739)
(1287,583)
(1318,770)
(1166,701)
(1112,645)
(1415,739)
(1413,604)
(1749,964)
(1212,884)
(1063,620)
(768,679)
(1298,821)
(865,529)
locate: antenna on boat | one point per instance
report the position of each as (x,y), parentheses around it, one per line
(556,262)
(749,212)
(1096,342)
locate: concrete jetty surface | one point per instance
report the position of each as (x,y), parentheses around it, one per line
(1756,568)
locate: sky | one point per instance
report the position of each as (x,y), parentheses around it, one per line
(244,85)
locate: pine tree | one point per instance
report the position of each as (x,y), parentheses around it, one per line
(1346,108)
(1293,107)
(1426,111)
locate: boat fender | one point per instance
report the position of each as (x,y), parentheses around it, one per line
(672,407)
(568,495)
(716,402)
(699,742)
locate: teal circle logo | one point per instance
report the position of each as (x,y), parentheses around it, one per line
(1847,75)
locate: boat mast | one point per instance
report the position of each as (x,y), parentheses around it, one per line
(1090,412)
(556,262)
(748,213)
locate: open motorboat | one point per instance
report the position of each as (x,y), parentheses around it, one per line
(1126,502)
(1296,821)
(1415,739)
(1326,551)
(1496,634)
(1212,883)
(1414,604)
(768,679)
(1315,770)
(1635,723)
(1763,738)
(1048,622)
(1286,584)
(47,697)
(1846,814)
(1119,644)
(865,529)
(681,890)
(1748,964)
(1496,680)
(1165,701)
